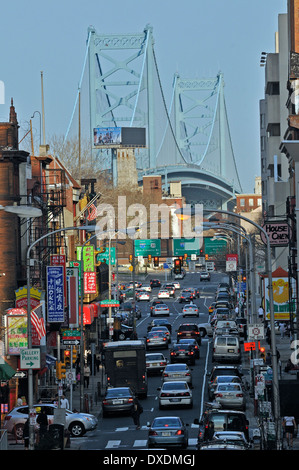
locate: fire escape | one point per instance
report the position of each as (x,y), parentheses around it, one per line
(49,194)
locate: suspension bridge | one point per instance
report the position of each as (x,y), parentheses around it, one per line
(187,140)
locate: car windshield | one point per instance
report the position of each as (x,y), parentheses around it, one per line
(174,386)
(114,392)
(187,328)
(229,388)
(154,357)
(175,367)
(166,422)
(156,333)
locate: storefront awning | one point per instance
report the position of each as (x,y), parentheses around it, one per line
(6,371)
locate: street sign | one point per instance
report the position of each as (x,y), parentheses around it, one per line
(147,247)
(109,303)
(104,257)
(30,359)
(214,246)
(189,246)
(71,337)
(256,331)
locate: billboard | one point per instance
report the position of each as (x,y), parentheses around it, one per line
(279,233)
(281,302)
(119,137)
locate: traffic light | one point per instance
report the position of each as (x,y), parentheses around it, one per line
(60,370)
(244,278)
(262,352)
(185,256)
(74,355)
(177,266)
(149,258)
(63,370)
(67,358)
(156,261)
(131,258)
(206,256)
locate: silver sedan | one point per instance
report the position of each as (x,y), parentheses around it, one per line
(175,394)
(230,395)
(190,310)
(167,431)
(177,372)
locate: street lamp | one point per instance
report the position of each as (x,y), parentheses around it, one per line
(191,211)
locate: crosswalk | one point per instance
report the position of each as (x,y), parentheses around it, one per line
(137,443)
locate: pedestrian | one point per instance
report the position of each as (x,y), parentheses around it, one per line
(26,434)
(42,420)
(237,310)
(261,313)
(289,427)
(268,335)
(64,403)
(19,401)
(268,359)
(136,412)
(86,375)
(282,330)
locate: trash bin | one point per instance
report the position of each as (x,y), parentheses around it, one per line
(56,432)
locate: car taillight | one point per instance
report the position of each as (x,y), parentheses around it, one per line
(130,400)
(188,374)
(152,433)
(218,395)
(105,402)
(239,395)
(165,375)
(163,363)
(7,418)
(172,353)
(179,432)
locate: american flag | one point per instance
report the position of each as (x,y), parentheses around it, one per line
(37,320)
(92,212)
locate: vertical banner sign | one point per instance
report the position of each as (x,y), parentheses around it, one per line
(55,294)
(90,285)
(88,259)
(59,260)
(72,275)
(77,264)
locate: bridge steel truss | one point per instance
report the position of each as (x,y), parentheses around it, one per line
(122,67)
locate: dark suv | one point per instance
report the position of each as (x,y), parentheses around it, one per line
(221,420)
(155,283)
(188,331)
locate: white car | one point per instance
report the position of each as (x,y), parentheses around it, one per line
(177,285)
(174,394)
(155,362)
(163,294)
(160,309)
(143,296)
(146,287)
(230,395)
(191,310)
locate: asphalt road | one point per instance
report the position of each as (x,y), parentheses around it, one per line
(118,432)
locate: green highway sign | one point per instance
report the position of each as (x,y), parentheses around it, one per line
(214,246)
(147,247)
(104,257)
(187,246)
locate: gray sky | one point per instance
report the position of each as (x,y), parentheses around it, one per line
(196,38)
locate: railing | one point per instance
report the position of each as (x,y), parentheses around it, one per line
(3,439)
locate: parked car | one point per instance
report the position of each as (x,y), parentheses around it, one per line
(155,362)
(167,431)
(160,309)
(192,342)
(204,276)
(160,322)
(173,372)
(182,353)
(230,395)
(76,423)
(190,310)
(175,394)
(189,330)
(156,340)
(117,400)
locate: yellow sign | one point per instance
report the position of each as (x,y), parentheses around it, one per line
(131,268)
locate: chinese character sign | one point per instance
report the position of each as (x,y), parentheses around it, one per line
(90,284)
(55,294)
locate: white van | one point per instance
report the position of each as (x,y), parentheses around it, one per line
(226,348)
